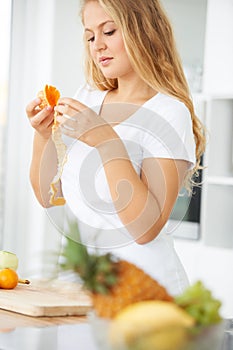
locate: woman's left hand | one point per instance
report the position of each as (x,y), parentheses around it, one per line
(80,122)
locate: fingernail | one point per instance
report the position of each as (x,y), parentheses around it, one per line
(37,100)
(48,108)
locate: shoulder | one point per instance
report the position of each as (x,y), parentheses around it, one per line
(170,132)
(89,96)
(171,108)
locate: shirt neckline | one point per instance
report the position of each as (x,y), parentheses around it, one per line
(148,102)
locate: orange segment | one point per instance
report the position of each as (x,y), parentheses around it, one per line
(52,95)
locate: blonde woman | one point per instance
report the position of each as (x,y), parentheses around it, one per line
(132,135)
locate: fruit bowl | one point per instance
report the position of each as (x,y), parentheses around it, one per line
(176,338)
(100,330)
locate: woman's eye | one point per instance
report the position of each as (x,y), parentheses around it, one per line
(110,32)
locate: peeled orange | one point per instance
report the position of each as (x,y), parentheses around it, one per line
(49,96)
(8,278)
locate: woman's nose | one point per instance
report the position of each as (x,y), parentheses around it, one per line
(99,43)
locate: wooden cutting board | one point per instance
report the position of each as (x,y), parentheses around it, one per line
(57,298)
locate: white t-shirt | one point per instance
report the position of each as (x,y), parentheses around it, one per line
(160,128)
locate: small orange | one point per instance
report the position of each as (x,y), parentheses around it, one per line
(8,278)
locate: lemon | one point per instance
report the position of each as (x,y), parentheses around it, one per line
(173,338)
(160,322)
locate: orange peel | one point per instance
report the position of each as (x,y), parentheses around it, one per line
(49,97)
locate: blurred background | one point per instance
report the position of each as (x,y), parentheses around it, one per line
(41,43)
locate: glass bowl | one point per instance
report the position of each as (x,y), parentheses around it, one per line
(205,338)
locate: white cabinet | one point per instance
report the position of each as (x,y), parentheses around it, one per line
(218,54)
(217,195)
(204,33)
(217,203)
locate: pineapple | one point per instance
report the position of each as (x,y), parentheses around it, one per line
(113,284)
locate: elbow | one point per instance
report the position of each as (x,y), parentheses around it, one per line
(152,232)
(37,192)
(45,205)
(146,238)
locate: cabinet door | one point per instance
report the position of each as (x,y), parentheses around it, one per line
(218,216)
(218,58)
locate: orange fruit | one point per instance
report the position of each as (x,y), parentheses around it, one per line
(8,278)
(52,95)
(49,96)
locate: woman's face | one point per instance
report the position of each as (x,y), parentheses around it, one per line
(105,42)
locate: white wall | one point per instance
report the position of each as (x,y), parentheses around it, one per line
(188,21)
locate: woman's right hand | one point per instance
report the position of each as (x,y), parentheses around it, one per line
(41,119)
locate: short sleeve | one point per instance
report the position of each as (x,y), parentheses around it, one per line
(168,133)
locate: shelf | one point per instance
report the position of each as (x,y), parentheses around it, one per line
(220,180)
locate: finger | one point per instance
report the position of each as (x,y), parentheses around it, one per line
(45,115)
(62,118)
(74,104)
(69,131)
(71,124)
(31,107)
(65,112)
(65,109)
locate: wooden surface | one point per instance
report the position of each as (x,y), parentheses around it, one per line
(10,320)
(54,298)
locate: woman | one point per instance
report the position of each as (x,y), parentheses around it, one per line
(132,135)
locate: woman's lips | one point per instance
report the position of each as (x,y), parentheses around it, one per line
(104,61)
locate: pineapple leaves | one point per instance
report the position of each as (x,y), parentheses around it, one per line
(98,272)
(74,253)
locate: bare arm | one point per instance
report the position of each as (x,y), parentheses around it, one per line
(143,203)
(44,158)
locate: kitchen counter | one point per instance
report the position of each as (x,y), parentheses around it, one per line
(10,320)
(19,332)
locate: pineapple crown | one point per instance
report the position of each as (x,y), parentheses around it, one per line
(98,272)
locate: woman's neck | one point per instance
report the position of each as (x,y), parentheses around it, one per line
(126,99)
(132,90)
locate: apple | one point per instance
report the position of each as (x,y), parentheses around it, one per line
(8,260)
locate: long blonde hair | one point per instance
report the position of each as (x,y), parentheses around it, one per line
(154,58)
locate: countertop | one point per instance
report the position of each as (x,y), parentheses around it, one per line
(20,332)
